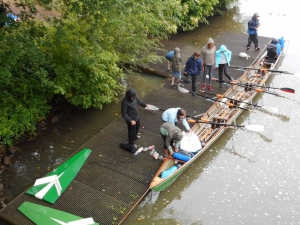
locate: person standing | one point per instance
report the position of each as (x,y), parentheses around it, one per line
(175,116)
(129,111)
(193,69)
(169,134)
(223,58)
(176,68)
(208,55)
(253,25)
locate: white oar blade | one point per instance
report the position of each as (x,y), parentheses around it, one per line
(152,107)
(297,75)
(270,109)
(258,128)
(183,90)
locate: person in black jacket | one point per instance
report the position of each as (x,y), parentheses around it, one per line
(129,111)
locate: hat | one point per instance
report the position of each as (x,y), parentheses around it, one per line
(177,136)
(256,15)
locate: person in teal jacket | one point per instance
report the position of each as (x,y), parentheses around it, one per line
(223,58)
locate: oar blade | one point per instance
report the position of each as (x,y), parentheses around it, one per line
(270,109)
(183,90)
(258,128)
(289,90)
(152,107)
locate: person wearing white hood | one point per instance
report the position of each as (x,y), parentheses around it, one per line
(223,58)
(208,56)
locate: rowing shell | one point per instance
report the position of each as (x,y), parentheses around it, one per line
(207,134)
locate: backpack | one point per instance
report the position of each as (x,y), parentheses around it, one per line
(169,55)
(128,147)
(272,51)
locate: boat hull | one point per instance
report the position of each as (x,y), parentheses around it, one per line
(235,91)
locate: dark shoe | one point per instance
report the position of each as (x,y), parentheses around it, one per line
(173,85)
(193,93)
(221,85)
(257,48)
(180,85)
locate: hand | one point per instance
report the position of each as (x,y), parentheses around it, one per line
(185,72)
(147,107)
(133,122)
(190,131)
(176,149)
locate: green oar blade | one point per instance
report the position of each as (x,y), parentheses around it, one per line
(42,215)
(258,128)
(66,172)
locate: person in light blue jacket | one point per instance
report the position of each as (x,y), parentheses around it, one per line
(223,58)
(175,116)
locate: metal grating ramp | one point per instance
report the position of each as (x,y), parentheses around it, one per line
(113,181)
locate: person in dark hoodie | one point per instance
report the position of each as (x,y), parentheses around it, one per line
(129,111)
(253,26)
(193,69)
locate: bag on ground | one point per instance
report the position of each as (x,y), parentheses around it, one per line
(128,147)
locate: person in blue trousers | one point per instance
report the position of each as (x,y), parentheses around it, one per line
(223,58)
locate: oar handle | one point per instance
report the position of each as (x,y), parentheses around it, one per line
(214,123)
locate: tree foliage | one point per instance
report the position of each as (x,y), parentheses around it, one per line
(81,52)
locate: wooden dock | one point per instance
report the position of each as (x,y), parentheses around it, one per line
(112,181)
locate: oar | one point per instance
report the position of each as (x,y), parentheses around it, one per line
(268,108)
(285,89)
(183,90)
(259,128)
(258,69)
(153,107)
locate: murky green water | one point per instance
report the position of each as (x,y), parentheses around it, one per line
(244,178)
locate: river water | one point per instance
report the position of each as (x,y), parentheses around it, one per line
(244,178)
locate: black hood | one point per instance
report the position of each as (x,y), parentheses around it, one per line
(130,93)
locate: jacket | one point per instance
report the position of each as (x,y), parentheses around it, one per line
(176,61)
(170,115)
(219,53)
(252,24)
(208,56)
(129,109)
(193,67)
(172,133)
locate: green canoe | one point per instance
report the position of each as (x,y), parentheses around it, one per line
(55,183)
(42,215)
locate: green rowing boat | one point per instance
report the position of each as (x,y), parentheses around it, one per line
(55,183)
(42,215)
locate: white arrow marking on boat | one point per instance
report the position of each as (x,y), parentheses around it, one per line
(51,180)
(87,221)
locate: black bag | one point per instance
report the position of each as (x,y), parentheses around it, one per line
(272,51)
(128,147)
